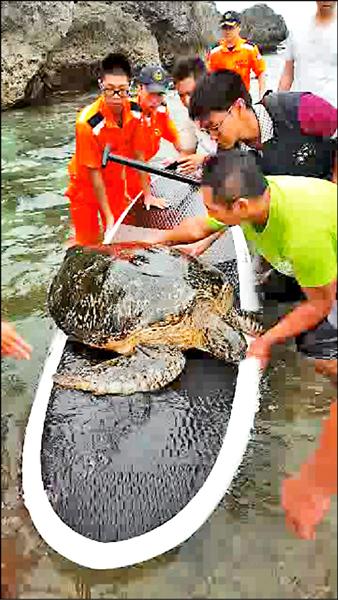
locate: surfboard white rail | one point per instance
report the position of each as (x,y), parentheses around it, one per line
(111,555)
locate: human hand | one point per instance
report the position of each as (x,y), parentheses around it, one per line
(189,164)
(12,344)
(197,248)
(260,348)
(150,200)
(304,506)
(110,221)
(190,249)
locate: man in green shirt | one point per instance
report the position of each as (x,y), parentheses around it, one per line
(292,222)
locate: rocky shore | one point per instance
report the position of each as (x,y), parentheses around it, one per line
(51,47)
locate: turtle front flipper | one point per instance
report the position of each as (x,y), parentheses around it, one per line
(246,322)
(147,369)
(223,341)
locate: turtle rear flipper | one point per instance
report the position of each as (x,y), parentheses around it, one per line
(147,369)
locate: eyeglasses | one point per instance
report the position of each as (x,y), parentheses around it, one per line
(214,128)
(111,92)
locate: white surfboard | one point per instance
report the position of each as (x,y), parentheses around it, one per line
(95,554)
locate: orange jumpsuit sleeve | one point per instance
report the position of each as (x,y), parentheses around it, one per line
(168,129)
(88,151)
(257,62)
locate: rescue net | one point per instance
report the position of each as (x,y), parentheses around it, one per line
(183,200)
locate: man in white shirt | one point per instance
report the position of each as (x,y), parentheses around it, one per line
(311,55)
(197,144)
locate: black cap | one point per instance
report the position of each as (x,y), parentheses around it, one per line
(230,19)
(154,78)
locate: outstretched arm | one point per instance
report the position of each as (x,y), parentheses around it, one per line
(190,230)
(287,76)
(305,316)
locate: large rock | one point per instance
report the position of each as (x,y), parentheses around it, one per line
(28,31)
(178,26)
(262,25)
(56,46)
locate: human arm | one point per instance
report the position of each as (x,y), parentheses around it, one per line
(12,344)
(149,199)
(101,195)
(197,248)
(188,231)
(261,84)
(305,316)
(89,156)
(259,68)
(188,163)
(190,159)
(318,117)
(287,76)
(169,130)
(305,497)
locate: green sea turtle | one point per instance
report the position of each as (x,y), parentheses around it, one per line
(147,304)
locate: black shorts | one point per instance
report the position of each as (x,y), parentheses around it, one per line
(320,342)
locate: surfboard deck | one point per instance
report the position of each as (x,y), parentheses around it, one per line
(110,481)
(116,467)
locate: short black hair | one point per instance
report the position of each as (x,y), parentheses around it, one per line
(115,64)
(190,66)
(234,174)
(217,91)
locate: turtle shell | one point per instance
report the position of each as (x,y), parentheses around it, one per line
(105,294)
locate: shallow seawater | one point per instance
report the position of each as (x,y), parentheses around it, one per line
(244,550)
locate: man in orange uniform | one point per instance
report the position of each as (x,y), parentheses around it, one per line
(236,54)
(155,122)
(94,191)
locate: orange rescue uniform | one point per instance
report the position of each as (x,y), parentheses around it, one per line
(95,127)
(242,59)
(139,136)
(151,129)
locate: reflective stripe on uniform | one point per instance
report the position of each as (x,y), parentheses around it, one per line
(98,127)
(84,113)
